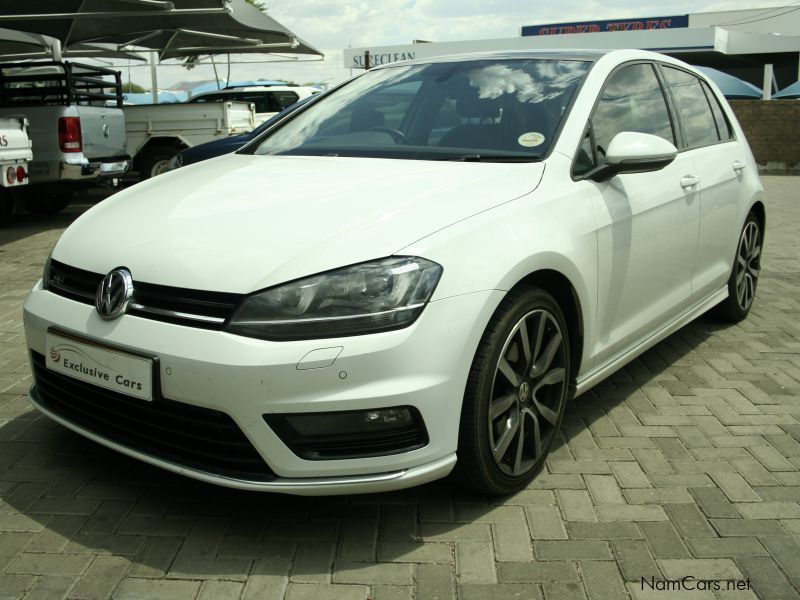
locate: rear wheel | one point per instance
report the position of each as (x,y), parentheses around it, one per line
(743,280)
(47,204)
(155,161)
(516,394)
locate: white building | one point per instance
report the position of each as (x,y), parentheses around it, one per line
(740,42)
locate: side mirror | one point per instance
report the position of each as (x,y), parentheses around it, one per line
(633,152)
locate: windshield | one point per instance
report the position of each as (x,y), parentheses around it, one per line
(274,119)
(466,110)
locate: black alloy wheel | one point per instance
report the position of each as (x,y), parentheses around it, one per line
(516,394)
(744,275)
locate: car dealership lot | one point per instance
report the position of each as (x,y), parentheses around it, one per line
(686,463)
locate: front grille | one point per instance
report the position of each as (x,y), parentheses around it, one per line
(191,436)
(195,308)
(72,283)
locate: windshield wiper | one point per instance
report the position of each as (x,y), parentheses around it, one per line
(493,158)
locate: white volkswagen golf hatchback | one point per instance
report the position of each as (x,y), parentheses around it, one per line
(409,276)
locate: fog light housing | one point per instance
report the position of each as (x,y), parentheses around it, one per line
(352,433)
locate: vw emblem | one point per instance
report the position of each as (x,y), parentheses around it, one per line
(113,293)
(106,130)
(522,392)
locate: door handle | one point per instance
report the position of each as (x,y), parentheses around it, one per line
(688,181)
(738,166)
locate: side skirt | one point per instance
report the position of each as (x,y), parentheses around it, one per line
(618,361)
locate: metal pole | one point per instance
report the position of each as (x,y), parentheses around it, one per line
(766,89)
(55,47)
(154,76)
(216,76)
(366,59)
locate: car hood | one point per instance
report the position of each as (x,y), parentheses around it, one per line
(239,223)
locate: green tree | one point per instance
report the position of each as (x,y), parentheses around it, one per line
(132,88)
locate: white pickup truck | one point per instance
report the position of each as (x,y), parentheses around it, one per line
(15,152)
(157,132)
(77,138)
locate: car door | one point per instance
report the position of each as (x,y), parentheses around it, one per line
(720,161)
(647,223)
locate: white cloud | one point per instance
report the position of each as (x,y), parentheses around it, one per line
(338,23)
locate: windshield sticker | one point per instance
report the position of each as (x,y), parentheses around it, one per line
(531,139)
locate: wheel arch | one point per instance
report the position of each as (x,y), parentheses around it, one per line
(562,289)
(157,142)
(761,212)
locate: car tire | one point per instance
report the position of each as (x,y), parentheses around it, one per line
(6,206)
(515,395)
(47,204)
(743,279)
(154,161)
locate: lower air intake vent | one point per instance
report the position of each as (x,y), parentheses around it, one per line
(351,434)
(198,438)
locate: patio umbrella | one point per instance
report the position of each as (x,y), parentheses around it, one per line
(19,45)
(19,42)
(730,86)
(789,92)
(174,28)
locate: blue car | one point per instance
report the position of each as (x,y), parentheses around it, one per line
(230,144)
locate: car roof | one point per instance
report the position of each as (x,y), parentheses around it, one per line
(591,55)
(256,88)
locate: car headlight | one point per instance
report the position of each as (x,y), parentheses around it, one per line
(369,297)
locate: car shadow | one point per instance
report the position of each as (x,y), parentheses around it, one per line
(23,225)
(99,502)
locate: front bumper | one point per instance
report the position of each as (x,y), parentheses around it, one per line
(424,366)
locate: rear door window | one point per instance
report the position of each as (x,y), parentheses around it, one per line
(281,100)
(211,98)
(256,98)
(697,121)
(724,130)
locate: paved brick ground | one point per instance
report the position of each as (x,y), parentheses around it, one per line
(686,463)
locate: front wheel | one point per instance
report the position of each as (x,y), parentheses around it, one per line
(515,395)
(743,280)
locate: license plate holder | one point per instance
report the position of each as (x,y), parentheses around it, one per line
(110,368)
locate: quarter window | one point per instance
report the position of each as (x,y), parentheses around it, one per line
(697,121)
(584,160)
